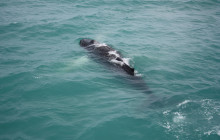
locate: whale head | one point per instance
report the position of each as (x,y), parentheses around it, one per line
(86,42)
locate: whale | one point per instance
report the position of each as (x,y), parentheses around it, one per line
(107,54)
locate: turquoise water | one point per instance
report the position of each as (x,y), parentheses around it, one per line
(51,89)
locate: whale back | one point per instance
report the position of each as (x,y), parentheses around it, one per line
(107,53)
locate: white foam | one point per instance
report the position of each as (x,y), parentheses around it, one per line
(36,77)
(96,44)
(117,62)
(99,44)
(115,53)
(184,102)
(214,130)
(209,132)
(209,118)
(126,60)
(137,74)
(166,112)
(167,125)
(218,133)
(178,117)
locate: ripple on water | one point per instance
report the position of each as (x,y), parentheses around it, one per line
(198,116)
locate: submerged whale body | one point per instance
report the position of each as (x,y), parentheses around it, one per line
(107,53)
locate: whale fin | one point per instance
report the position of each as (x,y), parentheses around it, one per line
(128,69)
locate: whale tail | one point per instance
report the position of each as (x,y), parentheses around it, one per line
(128,69)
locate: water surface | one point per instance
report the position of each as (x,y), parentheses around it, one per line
(51,89)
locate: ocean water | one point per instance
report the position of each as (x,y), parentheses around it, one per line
(50,88)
